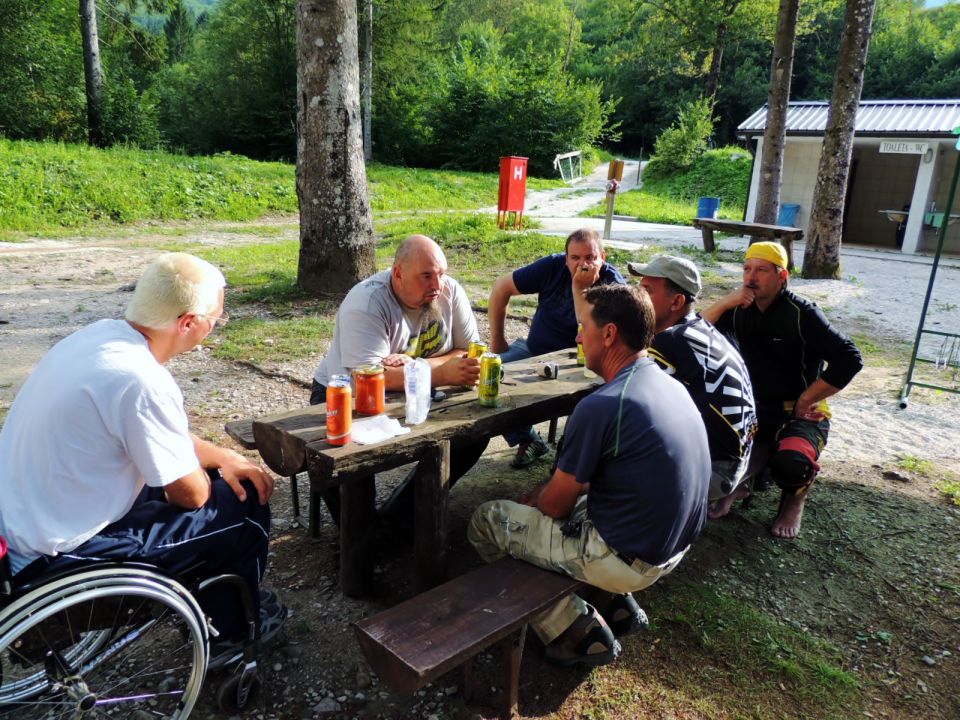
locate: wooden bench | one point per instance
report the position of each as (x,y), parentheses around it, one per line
(425,637)
(242,432)
(784,234)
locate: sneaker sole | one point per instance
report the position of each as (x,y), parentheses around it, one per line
(594,660)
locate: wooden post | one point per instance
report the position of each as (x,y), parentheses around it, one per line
(430,516)
(512,655)
(708,243)
(357,513)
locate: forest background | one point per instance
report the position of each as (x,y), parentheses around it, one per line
(456,83)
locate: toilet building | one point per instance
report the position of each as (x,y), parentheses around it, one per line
(903,161)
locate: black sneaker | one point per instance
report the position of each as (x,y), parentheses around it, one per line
(589,641)
(625,616)
(529,451)
(272,617)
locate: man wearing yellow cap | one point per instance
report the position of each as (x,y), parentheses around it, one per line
(796,360)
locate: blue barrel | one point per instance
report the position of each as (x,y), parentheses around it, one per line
(707,207)
(788,214)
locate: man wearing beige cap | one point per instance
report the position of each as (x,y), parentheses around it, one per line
(709,367)
(796,361)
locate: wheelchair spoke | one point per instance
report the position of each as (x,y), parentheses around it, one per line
(110,648)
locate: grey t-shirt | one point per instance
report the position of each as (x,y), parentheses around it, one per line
(372,324)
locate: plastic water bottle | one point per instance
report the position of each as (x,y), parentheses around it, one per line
(416,387)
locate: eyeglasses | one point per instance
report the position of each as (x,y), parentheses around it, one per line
(216,321)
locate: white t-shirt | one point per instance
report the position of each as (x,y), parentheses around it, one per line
(97,418)
(371,324)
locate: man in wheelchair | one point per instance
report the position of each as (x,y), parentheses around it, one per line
(97,461)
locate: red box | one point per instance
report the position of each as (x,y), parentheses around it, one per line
(513,189)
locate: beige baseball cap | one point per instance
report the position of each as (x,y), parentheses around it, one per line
(680,271)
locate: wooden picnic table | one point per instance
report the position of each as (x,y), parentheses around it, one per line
(295,441)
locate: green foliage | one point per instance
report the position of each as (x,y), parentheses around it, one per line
(679,146)
(723,173)
(45,186)
(237,90)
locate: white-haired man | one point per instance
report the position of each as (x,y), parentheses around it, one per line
(97,460)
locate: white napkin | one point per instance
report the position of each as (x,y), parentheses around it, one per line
(375,429)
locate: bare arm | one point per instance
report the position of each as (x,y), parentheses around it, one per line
(807,404)
(585,277)
(234,468)
(189,492)
(559,495)
(451,368)
(503,289)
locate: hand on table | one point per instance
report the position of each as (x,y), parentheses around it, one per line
(460,370)
(396,360)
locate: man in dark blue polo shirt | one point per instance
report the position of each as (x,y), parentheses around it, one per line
(554,325)
(628,495)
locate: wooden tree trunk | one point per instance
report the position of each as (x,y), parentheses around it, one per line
(781,74)
(337,243)
(821,259)
(716,63)
(92,72)
(368,81)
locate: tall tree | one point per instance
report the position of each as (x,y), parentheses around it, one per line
(179,29)
(92,71)
(781,74)
(337,244)
(821,258)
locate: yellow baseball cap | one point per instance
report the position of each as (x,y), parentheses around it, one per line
(769,251)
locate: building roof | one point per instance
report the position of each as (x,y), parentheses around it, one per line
(877,118)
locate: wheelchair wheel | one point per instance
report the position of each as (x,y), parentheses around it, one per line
(109,642)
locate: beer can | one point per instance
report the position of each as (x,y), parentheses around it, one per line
(488,391)
(581,358)
(339,410)
(371,386)
(476,349)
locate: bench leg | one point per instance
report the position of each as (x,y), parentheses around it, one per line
(708,243)
(432,491)
(295,500)
(316,500)
(512,648)
(552,432)
(357,515)
(788,246)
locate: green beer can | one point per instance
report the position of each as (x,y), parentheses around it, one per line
(488,391)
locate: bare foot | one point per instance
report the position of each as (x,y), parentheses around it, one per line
(787,524)
(719,508)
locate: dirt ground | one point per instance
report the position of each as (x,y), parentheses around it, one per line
(875,571)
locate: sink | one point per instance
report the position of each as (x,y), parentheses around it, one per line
(935,219)
(897,216)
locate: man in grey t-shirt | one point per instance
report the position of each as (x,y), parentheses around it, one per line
(412,310)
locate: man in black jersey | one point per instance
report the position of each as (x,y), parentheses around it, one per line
(796,360)
(691,350)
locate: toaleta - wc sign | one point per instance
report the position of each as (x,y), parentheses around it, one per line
(903,147)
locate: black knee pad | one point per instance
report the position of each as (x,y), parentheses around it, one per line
(793,471)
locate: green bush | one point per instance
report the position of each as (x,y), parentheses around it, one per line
(491,108)
(679,146)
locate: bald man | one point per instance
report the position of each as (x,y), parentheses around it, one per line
(413,310)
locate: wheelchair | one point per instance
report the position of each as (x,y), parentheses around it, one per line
(114,640)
